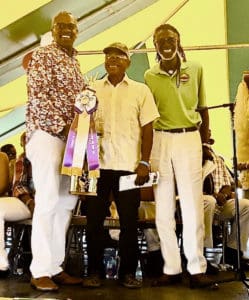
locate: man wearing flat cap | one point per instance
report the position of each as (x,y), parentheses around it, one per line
(124,119)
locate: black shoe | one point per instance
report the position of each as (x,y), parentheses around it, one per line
(201,280)
(154,264)
(166,280)
(131,282)
(211,269)
(245,264)
(4,273)
(231,257)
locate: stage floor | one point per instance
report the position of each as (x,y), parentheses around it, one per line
(18,287)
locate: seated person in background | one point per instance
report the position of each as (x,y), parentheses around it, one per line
(222,201)
(10,150)
(23,186)
(11,209)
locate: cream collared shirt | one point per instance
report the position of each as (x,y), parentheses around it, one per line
(122,112)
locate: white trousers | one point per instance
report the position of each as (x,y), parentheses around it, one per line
(178,157)
(11,209)
(53,204)
(227,212)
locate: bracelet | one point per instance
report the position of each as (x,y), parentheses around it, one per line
(143,162)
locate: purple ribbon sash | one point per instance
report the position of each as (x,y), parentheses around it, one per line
(92,147)
(68,156)
(86,103)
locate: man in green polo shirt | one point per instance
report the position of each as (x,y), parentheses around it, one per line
(179,135)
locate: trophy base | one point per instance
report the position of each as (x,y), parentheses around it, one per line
(83,185)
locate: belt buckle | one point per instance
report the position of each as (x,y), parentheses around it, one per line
(184,130)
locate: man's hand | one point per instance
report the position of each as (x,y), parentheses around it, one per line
(65,130)
(206,154)
(221,198)
(243,166)
(29,202)
(226,193)
(142,174)
(31,206)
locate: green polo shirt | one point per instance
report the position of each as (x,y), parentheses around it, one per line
(177,105)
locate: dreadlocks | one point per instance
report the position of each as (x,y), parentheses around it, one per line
(166,27)
(180,51)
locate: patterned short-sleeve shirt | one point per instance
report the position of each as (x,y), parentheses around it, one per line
(53,81)
(221,175)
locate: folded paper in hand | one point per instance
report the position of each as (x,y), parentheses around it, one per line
(128,182)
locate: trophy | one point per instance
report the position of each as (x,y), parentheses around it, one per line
(81,158)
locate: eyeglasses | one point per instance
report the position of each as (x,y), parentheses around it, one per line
(115,56)
(11,154)
(62,26)
(170,40)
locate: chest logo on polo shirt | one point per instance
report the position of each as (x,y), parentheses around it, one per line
(184,78)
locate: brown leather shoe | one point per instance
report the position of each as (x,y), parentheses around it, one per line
(201,280)
(66,279)
(166,279)
(131,282)
(44,284)
(92,281)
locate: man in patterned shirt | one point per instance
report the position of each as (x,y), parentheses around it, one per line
(53,81)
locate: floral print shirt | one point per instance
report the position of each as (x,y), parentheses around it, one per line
(53,81)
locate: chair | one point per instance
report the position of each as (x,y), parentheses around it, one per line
(76,240)
(18,240)
(221,229)
(15,232)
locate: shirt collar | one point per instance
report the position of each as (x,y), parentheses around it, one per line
(125,80)
(157,70)
(74,53)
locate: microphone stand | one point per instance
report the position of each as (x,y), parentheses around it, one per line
(240,275)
